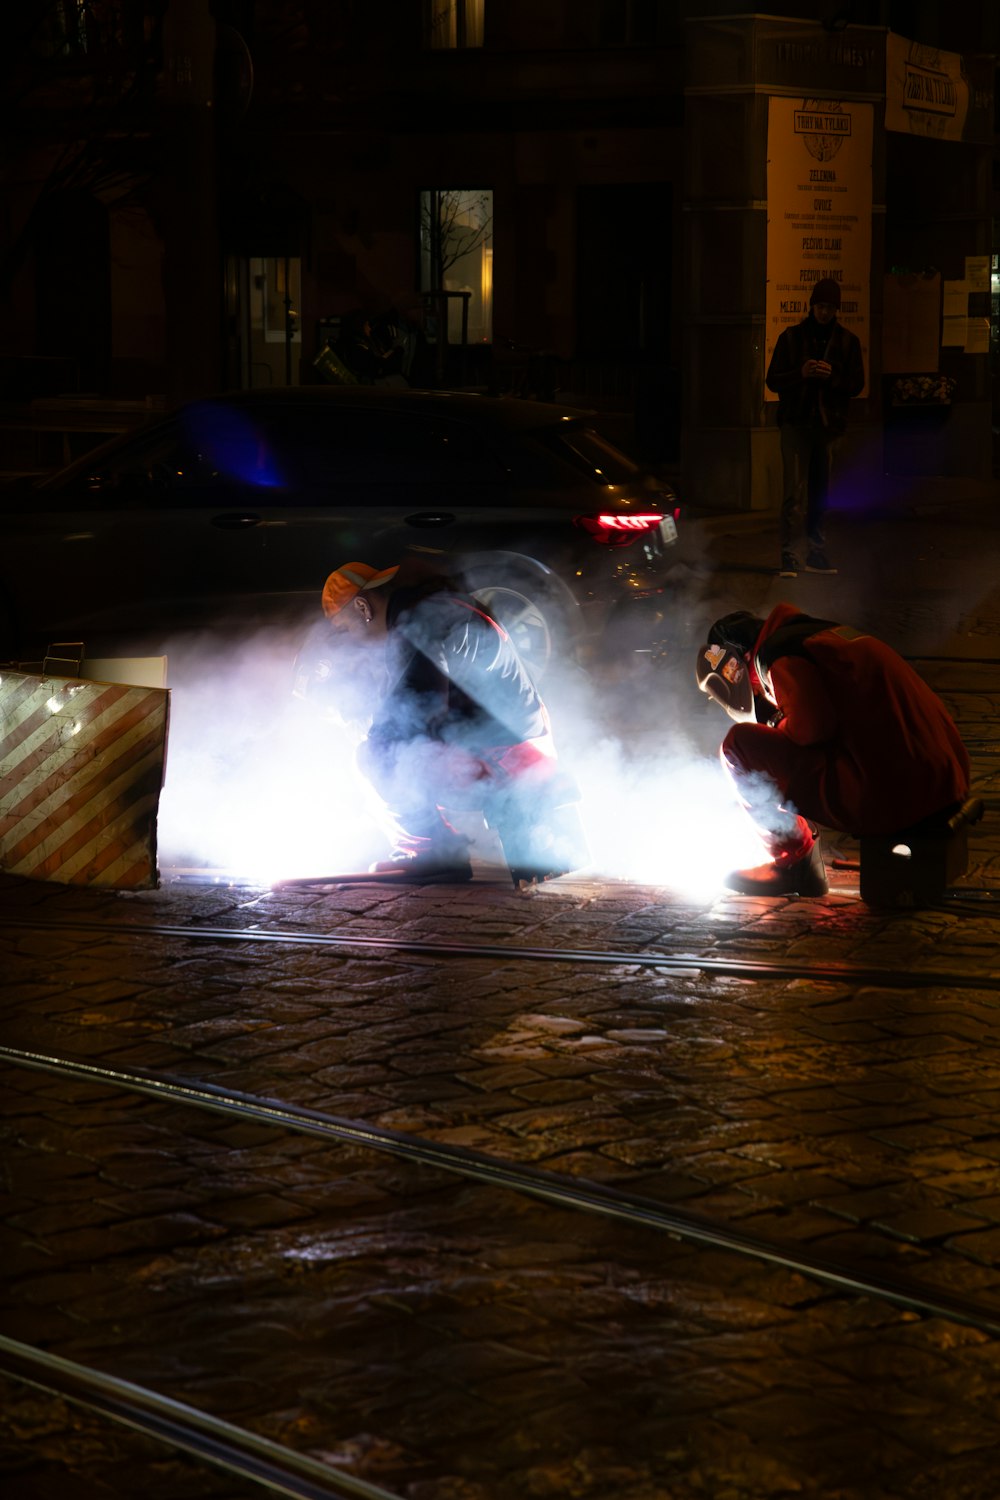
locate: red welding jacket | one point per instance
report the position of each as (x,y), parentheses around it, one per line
(880,750)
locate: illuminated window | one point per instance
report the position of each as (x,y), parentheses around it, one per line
(456,256)
(454,23)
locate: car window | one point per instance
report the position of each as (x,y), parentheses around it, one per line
(319,449)
(178,460)
(281,453)
(590,453)
(226,444)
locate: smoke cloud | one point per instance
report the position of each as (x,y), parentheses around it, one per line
(262,784)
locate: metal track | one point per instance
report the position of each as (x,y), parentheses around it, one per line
(566,1192)
(219,1443)
(739,968)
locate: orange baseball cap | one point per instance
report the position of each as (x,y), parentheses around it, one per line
(347,581)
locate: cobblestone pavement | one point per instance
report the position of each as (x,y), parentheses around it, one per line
(449,1339)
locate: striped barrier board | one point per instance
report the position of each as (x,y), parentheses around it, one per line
(81,769)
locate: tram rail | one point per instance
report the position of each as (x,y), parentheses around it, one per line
(738,968)
(536,1182)
(235,1450)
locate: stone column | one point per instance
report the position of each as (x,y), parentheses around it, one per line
(931,120)
(734,66)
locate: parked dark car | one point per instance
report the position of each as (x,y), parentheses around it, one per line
(231,511)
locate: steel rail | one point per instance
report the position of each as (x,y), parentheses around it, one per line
(536,1182)
(738,968)
(233,1449)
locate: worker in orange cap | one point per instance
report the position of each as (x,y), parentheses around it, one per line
(459,726)
(350,583)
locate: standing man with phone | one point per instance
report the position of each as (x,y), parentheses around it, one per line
(815,370)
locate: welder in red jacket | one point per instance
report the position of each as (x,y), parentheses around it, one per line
(853,739)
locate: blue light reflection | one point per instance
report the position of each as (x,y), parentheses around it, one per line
(229,443)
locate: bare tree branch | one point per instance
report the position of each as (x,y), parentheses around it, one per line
(453,223)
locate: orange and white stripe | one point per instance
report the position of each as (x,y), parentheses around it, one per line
(81,769)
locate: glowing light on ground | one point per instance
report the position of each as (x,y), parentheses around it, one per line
(673,824)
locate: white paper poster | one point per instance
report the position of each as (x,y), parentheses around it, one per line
(819,212)
(977,273)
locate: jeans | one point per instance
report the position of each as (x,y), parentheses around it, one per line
(418,777)
(805,462)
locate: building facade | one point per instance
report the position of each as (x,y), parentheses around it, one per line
(548,196)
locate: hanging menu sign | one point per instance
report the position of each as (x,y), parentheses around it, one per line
(926,90)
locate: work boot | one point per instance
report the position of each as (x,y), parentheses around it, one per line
(790,873)
(540,830)
(441,860)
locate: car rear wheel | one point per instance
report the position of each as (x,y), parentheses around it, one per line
(532,618)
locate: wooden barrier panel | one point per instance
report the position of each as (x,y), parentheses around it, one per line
(81,769)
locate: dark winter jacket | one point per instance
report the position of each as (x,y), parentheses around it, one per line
(805,402)
(453,675)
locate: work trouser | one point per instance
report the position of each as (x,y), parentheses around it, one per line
(778,782)
(419,780)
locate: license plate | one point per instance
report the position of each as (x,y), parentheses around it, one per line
(668,530)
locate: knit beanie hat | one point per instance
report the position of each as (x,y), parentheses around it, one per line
(826,290)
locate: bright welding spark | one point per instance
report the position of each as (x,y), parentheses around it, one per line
(674,824)
(657,807)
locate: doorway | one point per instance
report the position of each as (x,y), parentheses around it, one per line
(264,320)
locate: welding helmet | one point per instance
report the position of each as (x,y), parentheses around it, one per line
(724,675)
(349,580)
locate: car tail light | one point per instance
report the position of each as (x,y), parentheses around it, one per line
(618,530)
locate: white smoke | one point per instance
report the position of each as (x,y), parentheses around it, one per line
(656,804)
(263,786)
(259,784)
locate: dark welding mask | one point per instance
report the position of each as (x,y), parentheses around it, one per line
(723,674)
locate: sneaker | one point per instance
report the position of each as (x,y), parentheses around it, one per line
(805,876)
(818,562)
(789,566)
